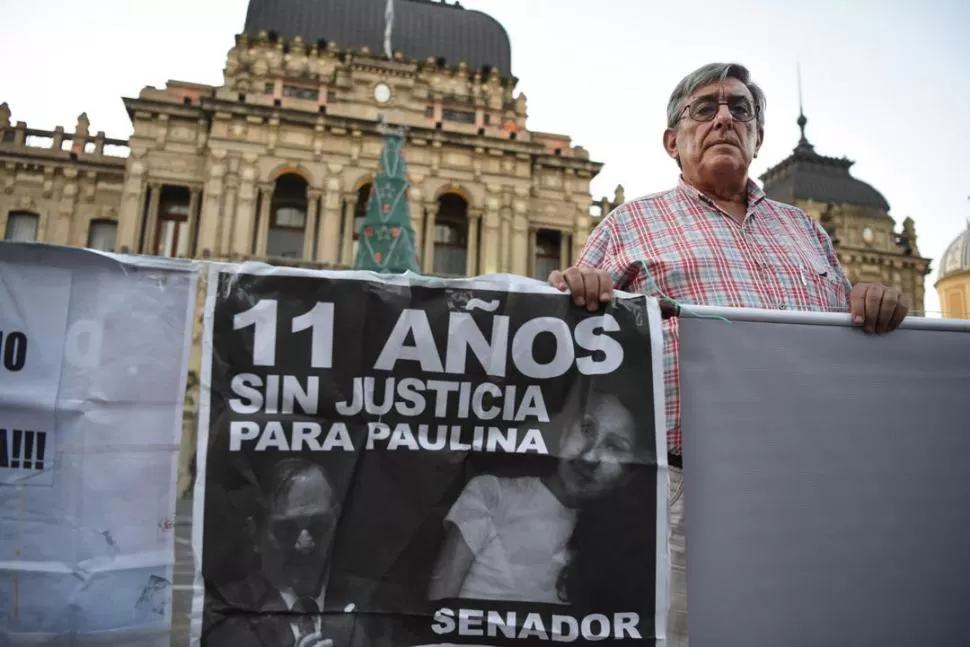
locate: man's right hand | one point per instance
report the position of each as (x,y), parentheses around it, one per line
(590,287)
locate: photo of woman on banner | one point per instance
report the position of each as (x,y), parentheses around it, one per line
(580,534)
(285,602)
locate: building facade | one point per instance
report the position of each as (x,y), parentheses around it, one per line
(855,215)
(953,282)
(276,163)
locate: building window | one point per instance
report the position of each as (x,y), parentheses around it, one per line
(102,235)
(297,92)
(548,253)
(288,218)
(360,211)
(458,116)
(451,236)
(22,226)
(172,228)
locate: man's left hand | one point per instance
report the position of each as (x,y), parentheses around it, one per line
(877,308)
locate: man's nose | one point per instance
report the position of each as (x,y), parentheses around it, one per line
(723,118)
(304,543)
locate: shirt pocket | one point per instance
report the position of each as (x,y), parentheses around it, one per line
(824,288)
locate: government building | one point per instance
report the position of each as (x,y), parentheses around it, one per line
(276,163)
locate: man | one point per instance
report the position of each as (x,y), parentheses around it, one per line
(284,603)
(715,239)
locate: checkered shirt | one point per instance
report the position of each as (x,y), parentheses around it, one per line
(679,244)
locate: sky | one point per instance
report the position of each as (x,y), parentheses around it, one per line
(884,82)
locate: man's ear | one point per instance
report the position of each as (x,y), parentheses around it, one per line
(670,143)
(759,141)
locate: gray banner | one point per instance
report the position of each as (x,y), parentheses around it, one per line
(827,488)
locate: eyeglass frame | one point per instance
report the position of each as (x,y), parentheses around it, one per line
(755,111)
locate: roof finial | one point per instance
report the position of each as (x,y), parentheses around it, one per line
(802,120)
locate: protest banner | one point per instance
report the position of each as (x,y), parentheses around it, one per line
(412,461)
(93,353)
(827,495)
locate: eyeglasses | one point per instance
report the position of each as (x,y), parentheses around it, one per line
(706,108)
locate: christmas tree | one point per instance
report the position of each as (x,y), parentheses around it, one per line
(386,236)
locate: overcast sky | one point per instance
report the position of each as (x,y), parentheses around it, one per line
(884,81)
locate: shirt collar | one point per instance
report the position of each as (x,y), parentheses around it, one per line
(755,193)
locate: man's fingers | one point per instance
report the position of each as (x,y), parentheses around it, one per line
(592,281)
(589,287)
(899,313)
(577,286)
(857,304)
(557,281)
(312,640)
(874,297)
(887,308)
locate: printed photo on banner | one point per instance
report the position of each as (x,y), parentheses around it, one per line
(460,462)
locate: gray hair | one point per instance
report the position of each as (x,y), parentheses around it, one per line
(713,73)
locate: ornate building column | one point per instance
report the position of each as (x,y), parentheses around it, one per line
(430,216)
(489,262)
(228,221)
(311,246)
(417,218)
(262,233)
(151,220)
(243,219)
(64,231)
(580,232)
(565,249)
(328,247)
(193,224)
(505,238)
(474,222)
(132,204)
(519,263)
(212,207)
(533,241)
(347,244)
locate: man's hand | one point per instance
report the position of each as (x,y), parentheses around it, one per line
(876,308)
(589,287)
(315,640)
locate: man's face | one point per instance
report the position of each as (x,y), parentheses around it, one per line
(723,146)
(296,540)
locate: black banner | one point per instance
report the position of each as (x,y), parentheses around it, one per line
(398,464)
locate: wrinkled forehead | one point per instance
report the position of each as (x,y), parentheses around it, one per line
(308,494)
(722,90)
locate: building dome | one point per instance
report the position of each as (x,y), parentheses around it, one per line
(807,175)
(956,258)
(422,28)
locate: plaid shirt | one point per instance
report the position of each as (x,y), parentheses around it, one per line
(679,244)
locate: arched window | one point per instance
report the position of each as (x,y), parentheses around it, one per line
(102,235)
(172,228)
(451,235)
(22,226)
(548,255)
(360,211)
(288,217)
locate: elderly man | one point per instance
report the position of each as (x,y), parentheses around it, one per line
(715,239)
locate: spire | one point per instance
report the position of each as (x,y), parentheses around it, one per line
(803,144)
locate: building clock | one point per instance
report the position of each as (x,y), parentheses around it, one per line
(867,235)
(382,92)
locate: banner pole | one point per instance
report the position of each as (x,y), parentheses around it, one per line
(670,309)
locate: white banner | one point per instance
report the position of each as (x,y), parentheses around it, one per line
(93,364)
(826,482)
